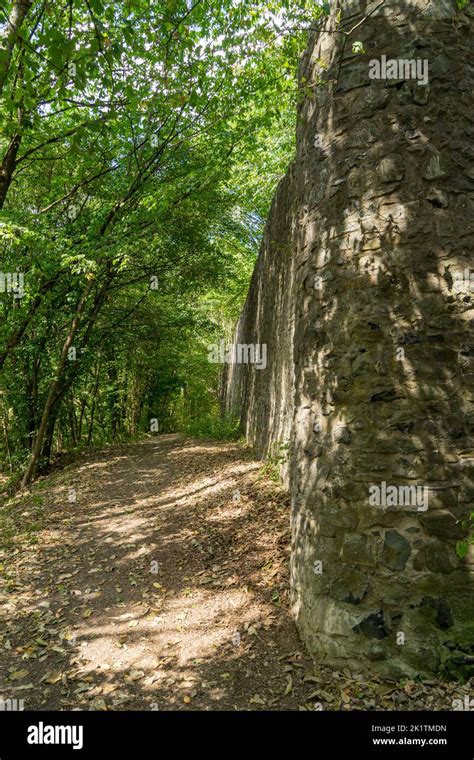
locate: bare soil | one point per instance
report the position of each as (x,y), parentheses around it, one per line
(164,586)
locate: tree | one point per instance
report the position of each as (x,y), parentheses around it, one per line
(126,128)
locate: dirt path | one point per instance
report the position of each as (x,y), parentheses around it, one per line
(164,586)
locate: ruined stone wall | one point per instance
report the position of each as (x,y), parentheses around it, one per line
(264,397)
(360,293)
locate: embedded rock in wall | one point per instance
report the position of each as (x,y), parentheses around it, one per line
(363,295)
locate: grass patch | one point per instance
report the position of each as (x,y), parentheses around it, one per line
(217,427)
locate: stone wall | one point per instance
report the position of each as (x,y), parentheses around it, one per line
(361,295)
(265,398)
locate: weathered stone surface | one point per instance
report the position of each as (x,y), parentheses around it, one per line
(437,198)
(443,524)
(348,585)
(396,550)
(421,94)
(358,550)
(435,168)
(374,626)
(439,558)
(358,294)
(391,169)
(419,560)
(423,660)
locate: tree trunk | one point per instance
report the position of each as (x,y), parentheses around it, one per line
(72,421)
(11,37)
(54,386)
(49,437)
(94,397)
(81,418)
(8,167)
(61,385)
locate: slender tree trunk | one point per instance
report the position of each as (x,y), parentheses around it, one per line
(6,434)
(94,397)
(81,417)
(33,464)
(72,422)
(114,399)
(49,436)
(61,385)
(8,167)
(10,39)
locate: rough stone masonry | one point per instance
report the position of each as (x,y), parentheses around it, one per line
(362,293)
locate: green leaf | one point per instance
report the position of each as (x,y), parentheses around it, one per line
(462,549)
(358,47)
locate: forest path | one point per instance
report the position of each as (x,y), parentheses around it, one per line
(164,586)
